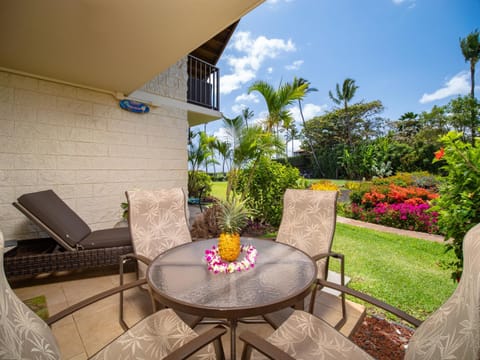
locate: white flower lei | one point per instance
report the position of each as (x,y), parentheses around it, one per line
(217,265)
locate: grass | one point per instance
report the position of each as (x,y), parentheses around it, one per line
(402,271)
(219,189)
(38,305)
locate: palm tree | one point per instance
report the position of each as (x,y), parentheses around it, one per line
(233,127)
(292,135)
(344,96)
(247,114)
(278,100)
(308,89)
(225,151)
(471,52)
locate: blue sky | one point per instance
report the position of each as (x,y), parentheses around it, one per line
(404,53)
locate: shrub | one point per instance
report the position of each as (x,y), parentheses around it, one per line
(393,205)
(265,192)
(357,191)
(198,180)
(421,179)
(459,201)
(324,185)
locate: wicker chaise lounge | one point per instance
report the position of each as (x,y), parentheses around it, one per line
(79,246)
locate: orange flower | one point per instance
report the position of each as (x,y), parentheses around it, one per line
(439,154)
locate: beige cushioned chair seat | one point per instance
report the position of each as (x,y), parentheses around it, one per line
(154,338)
(305,336)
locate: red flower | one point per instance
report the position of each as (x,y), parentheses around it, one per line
(439,154)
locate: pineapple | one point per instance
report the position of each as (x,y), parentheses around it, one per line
(231,220)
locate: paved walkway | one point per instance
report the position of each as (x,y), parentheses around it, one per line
(414,234)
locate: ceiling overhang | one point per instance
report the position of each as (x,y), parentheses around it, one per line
(113,45)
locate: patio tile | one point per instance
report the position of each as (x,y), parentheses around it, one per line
(68,339)
(79,290)
(98,326)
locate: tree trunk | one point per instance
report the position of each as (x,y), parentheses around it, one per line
(315,159)
(472,94)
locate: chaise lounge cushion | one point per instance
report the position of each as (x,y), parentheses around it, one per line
(56,214)
(58,218)
(106,238)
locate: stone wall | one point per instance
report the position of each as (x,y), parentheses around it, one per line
(81,144)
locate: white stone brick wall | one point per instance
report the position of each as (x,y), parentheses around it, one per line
(81,144)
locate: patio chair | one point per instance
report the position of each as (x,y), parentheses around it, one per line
(157,221)
(308,223)
(451,332)
(23,335)
(79,246)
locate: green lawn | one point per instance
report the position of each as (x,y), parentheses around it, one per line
(402,271)
(399,270)
(219,189)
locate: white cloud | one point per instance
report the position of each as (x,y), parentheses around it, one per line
(309,111)
(457,85)
(295,65)
(237,108)
(412,3)
(247,97)
(255,51)
(270,70)
(222,134)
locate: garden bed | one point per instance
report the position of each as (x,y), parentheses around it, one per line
(382,339)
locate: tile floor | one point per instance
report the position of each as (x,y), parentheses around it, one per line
(88,330)
(85,332)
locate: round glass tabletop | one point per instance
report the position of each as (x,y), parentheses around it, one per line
(282,276)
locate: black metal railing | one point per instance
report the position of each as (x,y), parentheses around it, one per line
(203,84)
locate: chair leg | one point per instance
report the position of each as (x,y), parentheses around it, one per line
(220,354)
(246,352)
(121,320)
(342,295)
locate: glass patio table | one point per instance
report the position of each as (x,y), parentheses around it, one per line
(282,276)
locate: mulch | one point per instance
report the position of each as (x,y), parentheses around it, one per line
(382,339)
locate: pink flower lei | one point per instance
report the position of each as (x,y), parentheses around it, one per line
(217,265)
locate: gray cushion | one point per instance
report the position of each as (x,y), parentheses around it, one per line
(107,238)
(56,214)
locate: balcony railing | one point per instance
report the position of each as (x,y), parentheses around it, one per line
(203,84)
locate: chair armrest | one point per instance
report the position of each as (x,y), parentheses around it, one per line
(197,343)
(141,258)
(370,299)
(252,340)
(88,301)
(324,255)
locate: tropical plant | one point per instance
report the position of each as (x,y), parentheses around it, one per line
(224,150)
(278,100)
(199,182)
(459,201)
(247,114)
(464,115)
(266,183)
(199,153)
(253,144)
